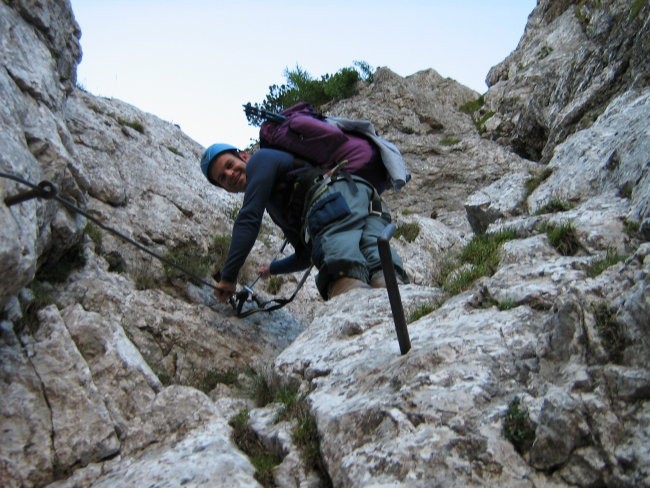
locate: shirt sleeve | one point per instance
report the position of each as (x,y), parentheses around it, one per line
(290,264)
(262,170)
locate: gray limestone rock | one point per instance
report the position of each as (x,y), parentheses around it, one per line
(114,374)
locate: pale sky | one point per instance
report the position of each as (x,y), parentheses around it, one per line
(196,62)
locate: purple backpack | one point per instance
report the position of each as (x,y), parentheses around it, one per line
(304,133)
(319,140)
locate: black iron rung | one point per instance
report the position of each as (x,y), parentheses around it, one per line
(45,189)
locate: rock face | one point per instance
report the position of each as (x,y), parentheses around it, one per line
(115,371)
(575,57)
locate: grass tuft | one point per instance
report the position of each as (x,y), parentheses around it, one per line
(635,8)
(422,311)
(472,106)
(263,459)
(94,232)
(537,179)
(563,238)
(210,379)
(133,124)
(41,297)
(610,332)
(294,408)
(480,257)
(517,427)
(274,284)
(409,231)
(611,258)
(449,141)
(175,151)
(507,304)
(190,257)
(555,205)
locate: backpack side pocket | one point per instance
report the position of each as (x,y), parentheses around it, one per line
(326,211)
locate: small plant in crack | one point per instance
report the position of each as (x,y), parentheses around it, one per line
(517,427)
(611,333)
(563,238)
(598,266)
(262,459)
(267,388)
(409,231)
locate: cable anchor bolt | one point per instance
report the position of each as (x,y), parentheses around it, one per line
(45,189)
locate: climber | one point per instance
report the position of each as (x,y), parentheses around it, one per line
(331,220)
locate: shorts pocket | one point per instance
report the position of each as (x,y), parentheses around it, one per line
(327,210)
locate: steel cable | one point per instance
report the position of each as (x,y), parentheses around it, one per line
(47,190)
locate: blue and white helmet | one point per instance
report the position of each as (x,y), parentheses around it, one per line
(210,154)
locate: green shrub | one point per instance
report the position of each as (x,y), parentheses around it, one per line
(290,399)
(342,85)
(294,408)
(518,428)
(218,249)
(116,263)
(544,51)
(258,388)
(366,71)
(480,121)
(626,190)
(302,87)
(484,249)
(143,275)
(463,279)
(305,436)
(475,110)
(305,432)
(189,257)
(630,227)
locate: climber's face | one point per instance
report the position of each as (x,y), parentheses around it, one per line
(229,171)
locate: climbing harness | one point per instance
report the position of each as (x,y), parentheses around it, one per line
(47,190)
